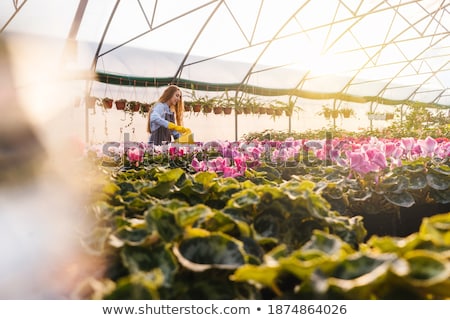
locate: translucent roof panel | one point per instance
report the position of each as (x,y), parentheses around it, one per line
(393,49)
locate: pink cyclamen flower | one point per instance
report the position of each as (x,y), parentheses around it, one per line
(408,143)
(198,165)
(428,146)
(135,155)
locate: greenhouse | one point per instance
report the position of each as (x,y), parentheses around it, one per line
(311,160)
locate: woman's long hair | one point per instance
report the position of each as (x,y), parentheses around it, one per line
(166,95)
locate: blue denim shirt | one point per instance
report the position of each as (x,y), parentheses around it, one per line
(158,118)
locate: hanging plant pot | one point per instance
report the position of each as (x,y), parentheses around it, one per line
(335,114)
(120,104)
(137,107)
(255,109)
(187,106)
(145,107)
(247,110)
(196,108)
(288,112)
(262,110)
(327,114)
(278,112)
(207,109)
(269,111)
(217,110)
(227,110)
(389,116)
(107,103)
(346,113)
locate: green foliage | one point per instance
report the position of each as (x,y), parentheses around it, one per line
(169,234)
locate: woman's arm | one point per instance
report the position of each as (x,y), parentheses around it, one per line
(157,117)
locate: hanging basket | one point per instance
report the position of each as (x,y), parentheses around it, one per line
(120,104)
(227,110)
(145,107)
(187,106)
(327,114)
(134,106)
(346,113)
(196,108)
(107,103)
(247,110)
(217,110)
(207,108)
(389,116)
(278,112)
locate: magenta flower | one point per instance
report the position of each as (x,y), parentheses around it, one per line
(360,163)
(198,165)
(427,146)
(408,143)
(377,157)
(218,164)
(135,155)
(231,172)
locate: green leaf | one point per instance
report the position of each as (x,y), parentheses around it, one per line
(163,220)
(441,196)
(111,188)
(171,175)
(438,181)
(360,275)
(417,181)
(214,251)
(132,235)
(141,259)
(243,199)
(425,271)
(205,178)
(187,216)
(268,224)
(403,199)
(394,184)
(264,275)
(436,229)
(326,243)
(138,286)
(442,169)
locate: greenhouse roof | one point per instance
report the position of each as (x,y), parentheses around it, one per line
(389,52)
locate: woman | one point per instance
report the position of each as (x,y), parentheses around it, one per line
(165,118)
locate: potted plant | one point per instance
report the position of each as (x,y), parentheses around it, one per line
(207,105)
(187,105)
(326,112)
(228,103)
(107,103)
(145,108)
(347,112)
(249,105)
(389,115)
(134,106)
(335,113)
(120,104)
(217,108)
